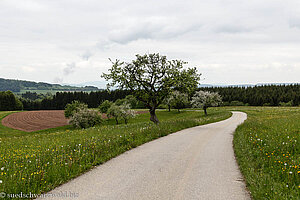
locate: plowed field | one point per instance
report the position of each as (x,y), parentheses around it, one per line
(38,120)
(35,120)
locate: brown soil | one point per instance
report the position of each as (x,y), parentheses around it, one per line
(35,120)
(38,120)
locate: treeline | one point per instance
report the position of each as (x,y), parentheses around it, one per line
(271,95)
(8,101)
(268,95)
(61,99)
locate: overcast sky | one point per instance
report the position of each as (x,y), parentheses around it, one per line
(229,41)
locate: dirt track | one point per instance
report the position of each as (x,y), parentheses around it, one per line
(35,120)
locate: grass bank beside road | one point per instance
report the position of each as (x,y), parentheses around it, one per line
(36,163)
(268,151)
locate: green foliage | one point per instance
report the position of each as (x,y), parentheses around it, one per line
(115,112)
(105,105)
(122,111)
(152,77)
(8,101)
(177,100)
(267,150)
(259,95)
(119,102)
(19,105)
(85,118)
(290,103)
(132,101)
(61,155)
(236,103)
(35,96)
(74,107)
(205,99)
(126,112)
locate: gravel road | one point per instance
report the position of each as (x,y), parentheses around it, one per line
(195,163)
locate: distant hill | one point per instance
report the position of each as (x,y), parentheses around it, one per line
(21,86)
(98,84)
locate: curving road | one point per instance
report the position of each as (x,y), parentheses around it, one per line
(195,163)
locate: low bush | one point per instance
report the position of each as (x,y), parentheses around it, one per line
(85,118)
(122,111)
(290,103)
(72,108)
(105,105)
(236,103)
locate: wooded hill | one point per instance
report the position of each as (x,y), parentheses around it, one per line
(20,86)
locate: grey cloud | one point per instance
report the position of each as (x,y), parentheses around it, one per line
(151,31)
(231,29)
(86,55)
(57,80)
(126,36)
(69,69)
(294,23)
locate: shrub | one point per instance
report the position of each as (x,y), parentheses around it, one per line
(179,100)
(85,118)
(105,105)
(114,111)
(120,112)
(72,108)
(126,112)
(290,103)
(236,103)
(225,103)
(132,101)
(266,104)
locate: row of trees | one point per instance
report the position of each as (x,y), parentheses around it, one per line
(8,101)
(272,95)
(268,95)
(61,99)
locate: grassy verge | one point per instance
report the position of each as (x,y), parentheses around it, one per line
(267,150)
(37,162)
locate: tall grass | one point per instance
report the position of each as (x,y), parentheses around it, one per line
(267,149)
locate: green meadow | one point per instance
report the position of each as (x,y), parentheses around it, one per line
(268,151)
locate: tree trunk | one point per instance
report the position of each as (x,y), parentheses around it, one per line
(169,108)
(153,116)
(117,120)
(204,108)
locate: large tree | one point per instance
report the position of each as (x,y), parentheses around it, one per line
(152,77)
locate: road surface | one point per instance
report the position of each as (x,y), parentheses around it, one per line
(195,163)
